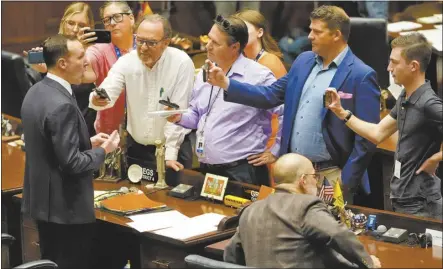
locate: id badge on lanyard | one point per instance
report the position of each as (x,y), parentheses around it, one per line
(200,145)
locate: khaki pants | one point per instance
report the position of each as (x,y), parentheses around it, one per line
(332,175)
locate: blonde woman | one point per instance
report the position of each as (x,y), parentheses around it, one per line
(76,18)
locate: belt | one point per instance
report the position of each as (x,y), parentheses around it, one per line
(225,165)
(320,166)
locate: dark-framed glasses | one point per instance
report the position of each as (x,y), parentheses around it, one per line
(149,43)
(117,17)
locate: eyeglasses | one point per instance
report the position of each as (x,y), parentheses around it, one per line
(148,43)
(117,17)
(220,20)
(318,177)
(73,24)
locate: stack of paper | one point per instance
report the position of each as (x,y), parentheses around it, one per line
(436,18)
(193,227)
(435,37)
(403,26)
(155,221)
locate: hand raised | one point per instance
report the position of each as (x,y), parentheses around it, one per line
(216,76)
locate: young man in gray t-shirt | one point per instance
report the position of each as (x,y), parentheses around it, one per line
(418,117)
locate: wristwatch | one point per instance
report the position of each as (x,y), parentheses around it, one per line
(348,116)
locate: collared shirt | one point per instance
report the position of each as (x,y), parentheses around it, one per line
(307,138)
(102,57)
(172,76)
(420,132)
(63,82)
(232,131)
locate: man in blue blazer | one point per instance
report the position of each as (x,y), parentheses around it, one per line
(308,128)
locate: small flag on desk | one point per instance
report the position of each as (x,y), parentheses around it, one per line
(338,196)
(145,8)
(326,192)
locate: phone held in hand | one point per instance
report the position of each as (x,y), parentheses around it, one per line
(205,69)
(35,57)
(102,93)
(327,98)
(169,104)
(103,36)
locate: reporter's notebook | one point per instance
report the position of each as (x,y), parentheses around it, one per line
(131,203)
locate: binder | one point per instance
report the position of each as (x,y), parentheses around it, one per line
(132,203)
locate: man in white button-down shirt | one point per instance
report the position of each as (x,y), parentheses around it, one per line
(154,72)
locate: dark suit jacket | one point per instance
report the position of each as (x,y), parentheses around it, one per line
(351,152)
(59,158)
(293,231)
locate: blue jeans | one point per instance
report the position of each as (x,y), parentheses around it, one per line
(419,207)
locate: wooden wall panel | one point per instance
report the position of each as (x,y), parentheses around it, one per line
(26,24)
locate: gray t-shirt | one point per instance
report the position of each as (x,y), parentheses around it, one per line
(420,130)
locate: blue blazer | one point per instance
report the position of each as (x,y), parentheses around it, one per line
(351,152)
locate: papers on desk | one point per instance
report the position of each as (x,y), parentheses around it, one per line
(436,237)
(195,226)
(435,37)
(175,225)
(154,221)
(436,18)
(403,26)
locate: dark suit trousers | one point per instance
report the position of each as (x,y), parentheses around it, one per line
(244,172)
(68,245)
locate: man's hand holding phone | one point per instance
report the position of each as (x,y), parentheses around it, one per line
(173,118)
(100,97)
(86,37)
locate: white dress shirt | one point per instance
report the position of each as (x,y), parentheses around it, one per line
(172,76)
(63,82)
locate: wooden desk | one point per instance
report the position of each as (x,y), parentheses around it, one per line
(13,168)
(390,255)
(147,249)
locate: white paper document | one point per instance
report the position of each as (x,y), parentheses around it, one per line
(154,221)
(400,26)
(435,37)
(436,18)
(166,113)
(436,237)
(438,26)
(195,226)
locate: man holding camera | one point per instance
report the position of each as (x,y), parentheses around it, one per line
(151,73)
(308,128)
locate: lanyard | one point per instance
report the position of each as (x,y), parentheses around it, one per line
(259,55)
(210,105)
(118,52)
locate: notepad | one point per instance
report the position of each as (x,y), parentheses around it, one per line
(131,203)
(436,18)
(403,26)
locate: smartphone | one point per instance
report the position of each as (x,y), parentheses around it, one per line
(169,104)
(205,68)
(102,93)
(327,99)
(103,36)
(35,57)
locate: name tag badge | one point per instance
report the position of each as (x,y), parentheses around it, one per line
(397,169)
(200,146)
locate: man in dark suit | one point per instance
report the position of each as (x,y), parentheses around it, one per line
(308,128)
(61,158)
(292,228)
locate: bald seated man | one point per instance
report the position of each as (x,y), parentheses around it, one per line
(293,228)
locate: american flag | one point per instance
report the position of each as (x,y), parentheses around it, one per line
(326,192)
